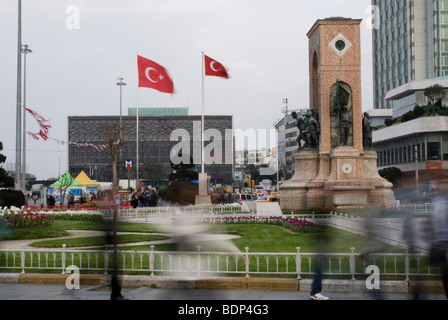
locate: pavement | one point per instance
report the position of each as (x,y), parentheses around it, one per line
(11,291)
(23,286)
(174,303)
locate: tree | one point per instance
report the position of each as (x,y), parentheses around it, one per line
(434,94)
(64,183)
(391,174)
(153,171)
(6,181)
(114,138)
(182,172)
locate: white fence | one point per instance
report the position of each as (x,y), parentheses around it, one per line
(200,263)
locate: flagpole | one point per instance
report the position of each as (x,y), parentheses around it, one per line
(137,156)
(136,139)
(202,118)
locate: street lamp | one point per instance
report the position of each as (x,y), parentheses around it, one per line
(121,84)
(18,175)
(25,50)
(416,170)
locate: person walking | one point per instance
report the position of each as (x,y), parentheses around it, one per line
(439,247)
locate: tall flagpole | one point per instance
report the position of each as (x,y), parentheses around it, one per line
(203,197)
(202,118)
(137,170)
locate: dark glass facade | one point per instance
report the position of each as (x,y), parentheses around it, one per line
(155,144)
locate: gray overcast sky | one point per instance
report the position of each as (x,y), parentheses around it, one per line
(263,43)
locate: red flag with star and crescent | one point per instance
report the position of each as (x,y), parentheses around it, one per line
(154,76)
(214,68)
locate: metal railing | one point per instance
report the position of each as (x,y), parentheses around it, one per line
(203,263)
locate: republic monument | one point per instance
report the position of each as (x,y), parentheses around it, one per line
(337,165)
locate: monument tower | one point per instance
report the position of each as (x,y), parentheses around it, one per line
(337,165)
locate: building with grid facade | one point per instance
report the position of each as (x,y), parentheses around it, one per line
(410,43)
(155,144)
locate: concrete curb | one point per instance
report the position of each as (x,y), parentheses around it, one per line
(301,285)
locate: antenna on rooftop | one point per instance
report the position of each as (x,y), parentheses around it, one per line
(285,106)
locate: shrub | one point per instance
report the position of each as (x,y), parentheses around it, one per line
(11,198)
(77,216)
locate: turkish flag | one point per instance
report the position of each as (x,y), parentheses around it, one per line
(153,75)
(214,68)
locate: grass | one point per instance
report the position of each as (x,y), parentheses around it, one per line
(259,238)
(60,227)
(268,238)
(96,241)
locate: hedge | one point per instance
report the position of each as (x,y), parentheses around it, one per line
(9,198)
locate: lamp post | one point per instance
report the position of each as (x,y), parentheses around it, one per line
(25,51)
(18,176)
(121,84)
(416,170)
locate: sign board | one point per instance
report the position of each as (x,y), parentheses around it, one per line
(128,164)
(434,165)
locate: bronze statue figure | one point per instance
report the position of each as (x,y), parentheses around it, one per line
(366,132)
(301,125)
(342,112)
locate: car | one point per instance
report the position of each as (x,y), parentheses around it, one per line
(275,194)
(267,199)
(263,198)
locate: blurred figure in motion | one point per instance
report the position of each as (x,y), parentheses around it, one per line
(439,247)
(409,235)
(321,242)
(373,229)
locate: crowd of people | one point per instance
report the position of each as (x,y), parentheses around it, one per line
(144,198)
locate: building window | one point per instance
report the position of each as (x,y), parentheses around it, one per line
(433,147)
(445,146)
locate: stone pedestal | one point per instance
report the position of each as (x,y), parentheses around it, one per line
(294,191)
(203,197)
(352,180)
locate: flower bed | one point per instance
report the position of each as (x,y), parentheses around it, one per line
(293,224)
(22,218)
(76,208)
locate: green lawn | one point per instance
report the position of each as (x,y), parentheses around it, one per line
(59,227)
(259,238)
(96,241)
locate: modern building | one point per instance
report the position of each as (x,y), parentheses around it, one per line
(419,148)
(406,97)
(287,141)
(410,44)
(159,135)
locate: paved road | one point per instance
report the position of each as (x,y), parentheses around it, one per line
(148,302)
(9,291)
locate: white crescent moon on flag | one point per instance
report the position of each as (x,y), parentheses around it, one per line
(211,66)
(147,75)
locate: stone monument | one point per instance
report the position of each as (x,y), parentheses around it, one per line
(337,165)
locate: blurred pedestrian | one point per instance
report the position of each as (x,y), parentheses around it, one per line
(374,242)
(439,246)
(321,242)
